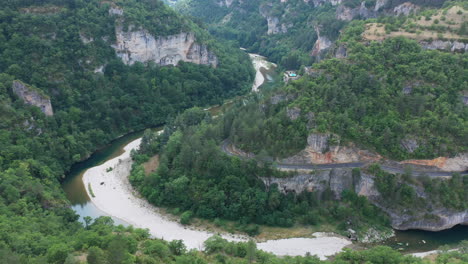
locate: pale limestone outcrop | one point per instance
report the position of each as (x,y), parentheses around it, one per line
(293,113)
(379,4)
(453,46)
(409,144)
(440,219)
(341,52)
(33,97)
(431,218)
(321,2)
(347,14)
(85,39)
(274,24)
(115,10)
(226,3)
(326,149)
(140,46)
(405,9)
(321,45)
(318,181)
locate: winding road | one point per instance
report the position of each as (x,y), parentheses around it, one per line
(226,148)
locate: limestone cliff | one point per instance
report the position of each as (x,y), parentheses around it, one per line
(431,218)
(326,148)
(140,46)
(33,97)
(453,46)
(274,24)
(321,46)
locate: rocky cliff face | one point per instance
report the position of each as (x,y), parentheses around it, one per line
(321,46)
(432,218)
(140,46)
(457,163)
(453,46)
(274,24)
(347,14)
(325,149)
(33,97)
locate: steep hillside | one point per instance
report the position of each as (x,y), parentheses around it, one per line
(393,98)
(389,100)
(75,75)
(299,32)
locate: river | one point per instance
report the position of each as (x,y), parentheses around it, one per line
(406,241)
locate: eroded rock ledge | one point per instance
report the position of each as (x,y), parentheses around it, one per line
(431,218)
(33,97)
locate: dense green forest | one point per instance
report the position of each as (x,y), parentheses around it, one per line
(297,23)
(382,94)
(345,97)
(40,45)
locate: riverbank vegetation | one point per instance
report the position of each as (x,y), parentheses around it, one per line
(42,45)
(101,242)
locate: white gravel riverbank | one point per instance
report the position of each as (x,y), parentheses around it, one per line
(114,195)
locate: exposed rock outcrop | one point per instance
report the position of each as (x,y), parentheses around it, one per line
(140,46)
(321,2)
(293,113)
(33,97)
(115,10)
(457,163)
(341,52)
(405,9)
(464,97)
(453,46)
(337,180)
(437,220)
(321,46)
(432,218)
(325,148)
(226,3)
(379,4)
(274,24)
(409,144)
(347,14)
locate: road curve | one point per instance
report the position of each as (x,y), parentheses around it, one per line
(308,166)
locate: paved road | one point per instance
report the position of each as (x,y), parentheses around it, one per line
(225,147)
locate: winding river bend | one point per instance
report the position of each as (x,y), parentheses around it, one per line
(76,191)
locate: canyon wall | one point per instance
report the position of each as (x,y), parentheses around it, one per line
(140,46)
(33,97)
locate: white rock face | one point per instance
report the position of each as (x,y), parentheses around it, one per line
(141,46)
(116,11)
(379,4)
(321,44)
(32,97)
(453,46)
(405,9)
(321,2)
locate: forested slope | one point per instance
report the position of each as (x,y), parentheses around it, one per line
(62,52)
(381,95)
(298,32)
